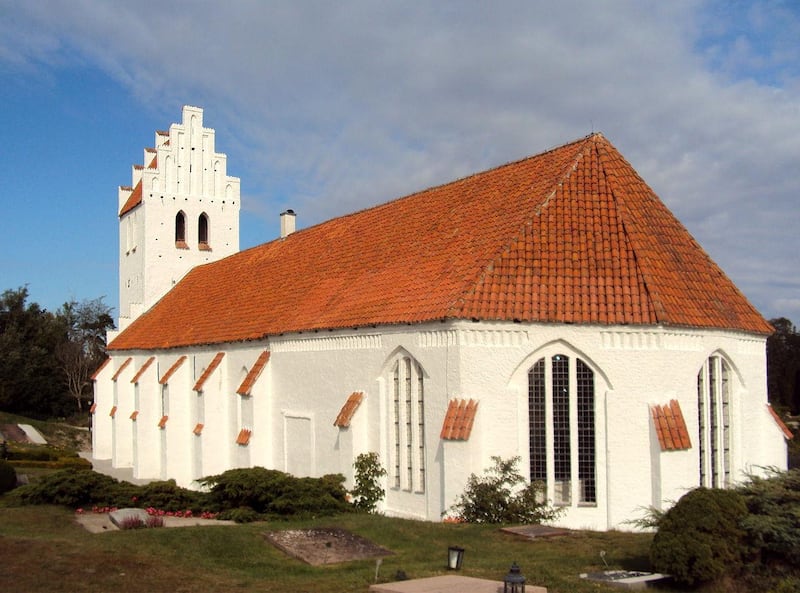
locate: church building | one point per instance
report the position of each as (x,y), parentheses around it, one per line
(550,308)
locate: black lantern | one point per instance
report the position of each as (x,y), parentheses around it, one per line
(455,556)
(514,582)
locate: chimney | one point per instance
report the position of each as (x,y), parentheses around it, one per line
(287,223)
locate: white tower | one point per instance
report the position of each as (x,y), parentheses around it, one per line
(182,210)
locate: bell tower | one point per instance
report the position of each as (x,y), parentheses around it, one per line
(181,210)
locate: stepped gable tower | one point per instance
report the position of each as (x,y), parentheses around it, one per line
(181,210)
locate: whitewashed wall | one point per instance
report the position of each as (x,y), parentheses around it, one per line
(309,377)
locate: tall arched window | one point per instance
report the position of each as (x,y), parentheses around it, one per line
(408,425)
(202,232)
(565,386)
(714,421)
(180,230)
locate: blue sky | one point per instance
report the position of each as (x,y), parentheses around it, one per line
(331,107)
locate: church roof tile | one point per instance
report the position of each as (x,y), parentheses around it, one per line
(572,235)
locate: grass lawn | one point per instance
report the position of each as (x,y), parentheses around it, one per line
(42,549)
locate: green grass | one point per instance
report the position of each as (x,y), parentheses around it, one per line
(43,549)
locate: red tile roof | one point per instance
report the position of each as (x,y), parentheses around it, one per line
(572,235)
(136,195)
(785,429)
(165,379)
(121,368)
(671,427)
(458,421)
(348,409)
(255,372)
(141,371)
(209,369)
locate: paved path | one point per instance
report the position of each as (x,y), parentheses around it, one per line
(447,584)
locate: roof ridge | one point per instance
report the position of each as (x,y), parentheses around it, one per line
(471,285)
(625,215)
(656,287)
(441,185)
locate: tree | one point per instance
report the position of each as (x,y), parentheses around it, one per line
(30,383)
(83,348)
(783,365)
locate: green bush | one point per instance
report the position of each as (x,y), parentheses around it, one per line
(312,497)
(503,496)
(61,463)
(701,539)
(272,492)
(73,489)
(167,496)
(34,453)
(773,523)
(8,477)
(242,515)
(367,491)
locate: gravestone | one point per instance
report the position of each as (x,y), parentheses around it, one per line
(122,516)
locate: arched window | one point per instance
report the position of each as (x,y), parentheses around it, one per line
(202,232)
(407,410)
(714,421)
(180,230)
(565,386)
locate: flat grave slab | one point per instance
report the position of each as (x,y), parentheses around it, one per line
(626,579)
(450,583)
(325,545)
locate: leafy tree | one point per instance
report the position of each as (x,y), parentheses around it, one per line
(30,382)
(84,346)
(503,496)
(783,365)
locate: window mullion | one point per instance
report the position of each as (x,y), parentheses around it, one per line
(549,440)
(573,428)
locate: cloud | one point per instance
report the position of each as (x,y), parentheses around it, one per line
(331,107)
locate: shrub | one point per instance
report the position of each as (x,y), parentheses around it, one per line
(168,496)
(773,523)
(60,463)
(241,515)
(701,538)
(312,496)
(71,488)
(28,452)
(8,477)
(272,492)
(367,491)
(503,496)
(255,488)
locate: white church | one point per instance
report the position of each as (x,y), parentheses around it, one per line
(550,308)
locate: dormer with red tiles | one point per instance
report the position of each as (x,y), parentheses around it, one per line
(181,210)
